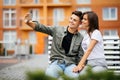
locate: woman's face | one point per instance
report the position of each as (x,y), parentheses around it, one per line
(85,22)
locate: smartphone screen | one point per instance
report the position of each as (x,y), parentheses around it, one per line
(31,13)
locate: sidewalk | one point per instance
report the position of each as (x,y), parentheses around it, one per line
(18,71)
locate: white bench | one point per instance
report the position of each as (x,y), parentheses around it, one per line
(111,48)
(49,46)
(112,52)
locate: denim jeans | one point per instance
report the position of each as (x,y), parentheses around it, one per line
(55,68)
(97,65)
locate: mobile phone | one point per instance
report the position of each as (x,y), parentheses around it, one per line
(31,13)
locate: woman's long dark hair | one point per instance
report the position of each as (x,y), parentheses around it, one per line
(93,20)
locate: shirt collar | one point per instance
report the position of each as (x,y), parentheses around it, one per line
(66,28)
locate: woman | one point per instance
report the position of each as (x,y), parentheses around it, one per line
(92,45)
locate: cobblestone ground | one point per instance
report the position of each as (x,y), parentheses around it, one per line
(18,71)
(5,62)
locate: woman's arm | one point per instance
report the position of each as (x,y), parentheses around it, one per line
(80,66)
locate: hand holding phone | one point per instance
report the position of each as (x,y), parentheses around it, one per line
(28,17)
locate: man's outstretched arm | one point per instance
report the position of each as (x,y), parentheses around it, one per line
(28,20)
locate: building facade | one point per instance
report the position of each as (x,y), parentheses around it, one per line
(13,30)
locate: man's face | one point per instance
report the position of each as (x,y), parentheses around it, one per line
(74,21)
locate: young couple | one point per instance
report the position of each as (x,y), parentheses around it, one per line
(71,52)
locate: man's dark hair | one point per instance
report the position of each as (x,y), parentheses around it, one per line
(77,13)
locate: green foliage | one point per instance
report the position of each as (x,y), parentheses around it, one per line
(65,77)
(106,75)
(38,75)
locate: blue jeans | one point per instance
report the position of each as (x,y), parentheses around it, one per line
(97,65)
(55,68)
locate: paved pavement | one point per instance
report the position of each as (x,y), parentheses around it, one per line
(5,62)
(18,71)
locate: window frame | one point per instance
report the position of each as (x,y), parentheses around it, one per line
(58,15)
(11,38)
(110,32)
(9,18)
(10,2)
(36,1)
(32,37)
(83,1)
(83,9)
(35,14)
(110,13)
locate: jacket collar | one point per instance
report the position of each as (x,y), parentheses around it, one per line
(66,29)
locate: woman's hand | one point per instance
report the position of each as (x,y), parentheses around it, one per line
(78,68)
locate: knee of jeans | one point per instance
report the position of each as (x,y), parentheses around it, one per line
(69,71)
(71,74)
(84,70)
(53,71)
(69,68)
(98,69)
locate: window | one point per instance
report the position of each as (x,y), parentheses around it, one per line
(84,1)
(110,13)
(9,2)
(58,15)
(56,1)
(32,37)
(110,32)
(36,1)
(35,14)
(9,37)
(83,9)
(9,18)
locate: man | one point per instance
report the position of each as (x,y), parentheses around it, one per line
(66,49)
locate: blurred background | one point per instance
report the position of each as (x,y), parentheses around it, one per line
(21,48)
(16,36)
